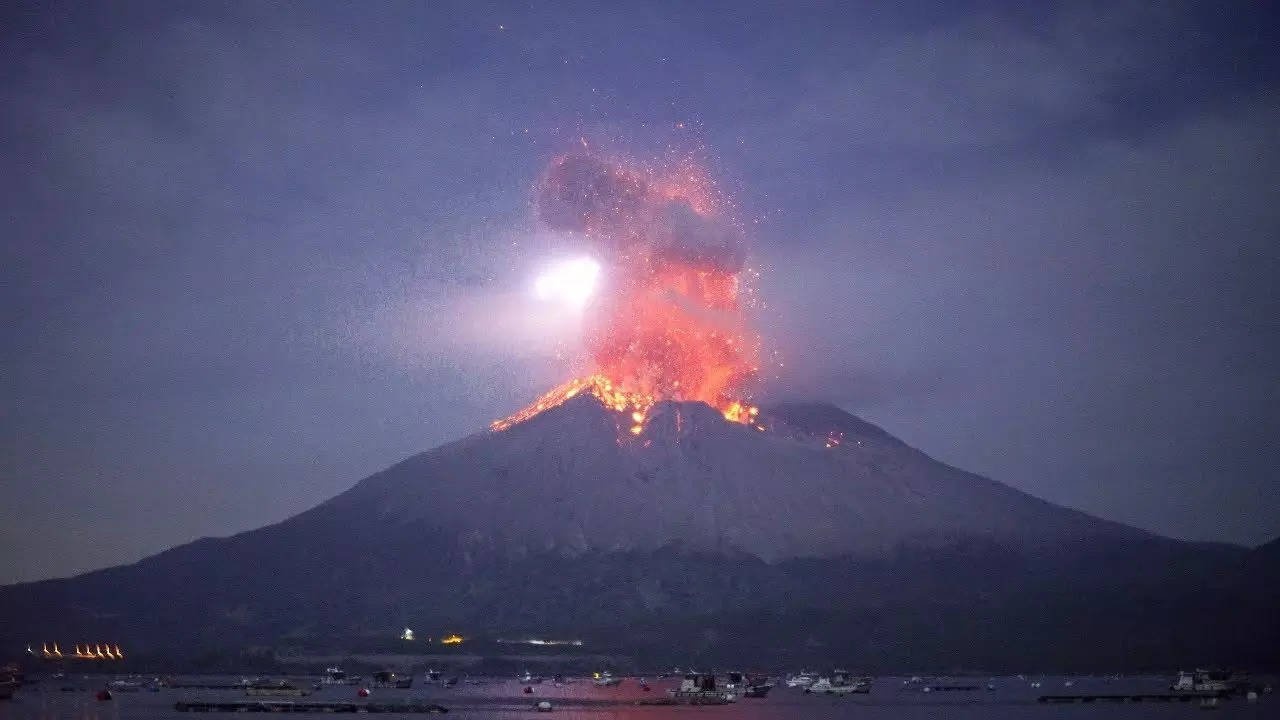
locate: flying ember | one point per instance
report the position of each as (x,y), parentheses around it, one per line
(666,319)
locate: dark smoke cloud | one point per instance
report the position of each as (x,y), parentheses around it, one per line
(680,234)
(627,217)
(582,192)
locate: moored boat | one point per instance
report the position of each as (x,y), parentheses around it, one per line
(1211,682)
(337,676)
(605,679)
(757,687)
(125,685)
(283,688)
(388,679)
(11,678)
(803,679)
(840,683)
(701,689)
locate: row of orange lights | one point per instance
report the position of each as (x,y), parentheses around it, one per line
(87,652)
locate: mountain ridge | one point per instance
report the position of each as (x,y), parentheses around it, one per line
(695,477)
(568,522)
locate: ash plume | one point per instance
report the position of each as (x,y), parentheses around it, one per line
(668,322)
(629,215)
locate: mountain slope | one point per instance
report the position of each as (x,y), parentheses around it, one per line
(573,480)
(821,537)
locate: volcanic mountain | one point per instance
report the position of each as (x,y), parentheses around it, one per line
(815,482)
(805,535)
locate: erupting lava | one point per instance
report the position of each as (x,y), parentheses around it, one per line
(668,323)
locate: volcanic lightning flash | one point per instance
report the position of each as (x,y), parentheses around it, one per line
(667,321)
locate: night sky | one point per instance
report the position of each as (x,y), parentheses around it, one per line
(254,252)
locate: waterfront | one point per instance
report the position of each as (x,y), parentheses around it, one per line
(501,699)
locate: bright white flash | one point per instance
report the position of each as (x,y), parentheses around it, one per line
(571,282)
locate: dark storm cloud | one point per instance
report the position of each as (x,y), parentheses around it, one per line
(257,251)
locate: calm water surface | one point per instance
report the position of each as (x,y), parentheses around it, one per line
(1013,699)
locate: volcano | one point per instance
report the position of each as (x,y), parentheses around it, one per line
(804,536)
(807,481)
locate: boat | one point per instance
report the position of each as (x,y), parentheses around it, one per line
(388,679)
(433,676)
(283,688)
(821,685)
(802,680)
(757,687)
(530,679)
(11,678)
(734,681)
(1217,682)
(336,676)
(739,683)
(125,685)
(605,679)
(701,689)
(840,683)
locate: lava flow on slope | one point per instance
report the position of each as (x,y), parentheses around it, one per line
(669,321)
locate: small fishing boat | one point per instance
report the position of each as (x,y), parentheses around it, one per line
(605,679)
(802,680)
(1204,681)
(283,688)
(337,676)
(701,689)
(125,685)
(757,687)
(840,683)
(388,679)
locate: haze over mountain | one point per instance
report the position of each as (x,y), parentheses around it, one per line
(817,537)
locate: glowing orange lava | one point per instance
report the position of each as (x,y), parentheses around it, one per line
(669,323)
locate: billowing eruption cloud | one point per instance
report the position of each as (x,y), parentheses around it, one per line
(668,323)
(633,215)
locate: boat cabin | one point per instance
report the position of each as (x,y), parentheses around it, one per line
(1212,681)
(698,682)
